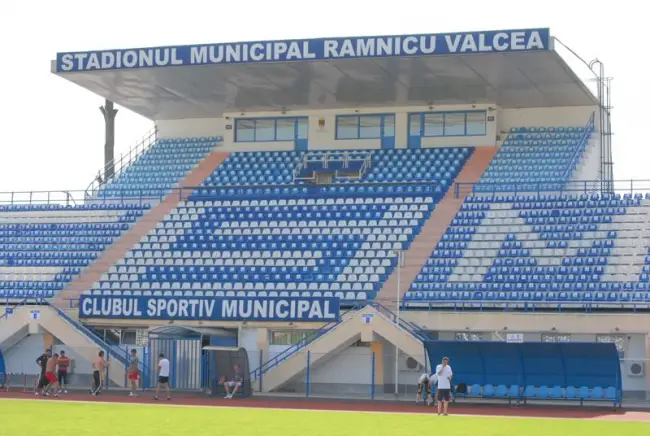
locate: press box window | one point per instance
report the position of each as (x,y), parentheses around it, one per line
(365,126)
(448,124)
(476,125)
(245,131)
(271,129)
(455,124)
(286,130)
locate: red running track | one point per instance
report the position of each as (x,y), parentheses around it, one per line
(191,399)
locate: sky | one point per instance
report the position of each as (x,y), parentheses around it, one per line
(52,132)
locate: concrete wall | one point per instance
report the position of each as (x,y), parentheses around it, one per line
(544,117)
(190,127)
(21,357)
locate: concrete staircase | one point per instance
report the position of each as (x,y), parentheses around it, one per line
(435,227)
(135,234)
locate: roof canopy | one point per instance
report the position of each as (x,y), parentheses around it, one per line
(512,68)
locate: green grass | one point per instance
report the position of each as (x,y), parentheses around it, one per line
(36,418)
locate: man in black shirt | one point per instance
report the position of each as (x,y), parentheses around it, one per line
(42,363)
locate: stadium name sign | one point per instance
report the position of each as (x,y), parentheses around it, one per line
(308,50)
(209,309)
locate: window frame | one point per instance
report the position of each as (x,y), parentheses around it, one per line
(359,117)
(296,130)
(422,130)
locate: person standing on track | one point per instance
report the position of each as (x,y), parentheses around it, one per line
(163,376)
(444,373)
(134,372)
(62,372)
(52,381)
(41,361)
(99,369)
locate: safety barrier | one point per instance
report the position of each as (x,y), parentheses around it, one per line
(571,187)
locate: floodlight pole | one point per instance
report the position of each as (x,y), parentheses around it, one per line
(400,261)
(109,136)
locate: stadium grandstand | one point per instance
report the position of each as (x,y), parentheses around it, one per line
(347,211)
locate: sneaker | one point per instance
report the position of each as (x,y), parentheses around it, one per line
(169,398)
(36,393)
(155,398)
(65,392)
(227,397)
(131,394)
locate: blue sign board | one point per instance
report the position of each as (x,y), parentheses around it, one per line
(501,41)
(209,309)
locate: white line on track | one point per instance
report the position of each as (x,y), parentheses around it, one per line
(165,403)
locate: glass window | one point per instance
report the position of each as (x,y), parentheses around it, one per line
(414,125)
(245,131)
(455,124)
(286,129)
(347,127)
(434,124)
(303,128)
(264,130)
(369,127)
(288,337)
(389,126)
(476,123)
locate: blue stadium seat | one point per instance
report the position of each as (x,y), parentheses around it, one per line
(249,231)
(159,168)
(536,159)
(45,246)
(542,249)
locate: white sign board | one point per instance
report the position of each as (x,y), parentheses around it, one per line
(34,314)
(515,338)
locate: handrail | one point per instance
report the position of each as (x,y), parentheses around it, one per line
(621,187)
(23,302)
(118,166)
(91,335)
(584,140)
(406,325)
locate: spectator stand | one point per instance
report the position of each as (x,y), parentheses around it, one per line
(537,371)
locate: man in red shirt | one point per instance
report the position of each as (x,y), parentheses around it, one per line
(62,373)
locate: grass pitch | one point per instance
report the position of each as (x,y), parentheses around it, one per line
(51,418)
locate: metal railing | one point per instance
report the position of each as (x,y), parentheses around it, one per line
(122,163)
(586,135)
(621,187)
(326,159)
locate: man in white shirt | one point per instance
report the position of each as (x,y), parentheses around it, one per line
(163,376)
(444,373)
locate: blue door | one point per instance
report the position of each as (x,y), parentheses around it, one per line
(301,145)
(388,143)
(414,142)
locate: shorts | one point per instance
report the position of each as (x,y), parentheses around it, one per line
(163,380)
(444,395)
(63,377)
(51,377)
(134,375)
(232,384)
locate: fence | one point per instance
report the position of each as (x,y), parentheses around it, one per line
(572,187)
(358,372)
